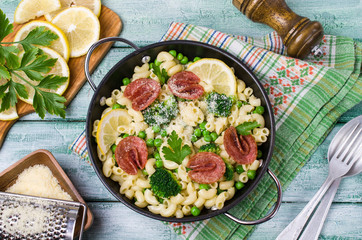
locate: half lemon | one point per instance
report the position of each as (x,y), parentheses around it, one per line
(30,9)
(94,5)
(81,26)
(107,130)
(215,75)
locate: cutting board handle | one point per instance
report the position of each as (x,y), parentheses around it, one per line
(94,46)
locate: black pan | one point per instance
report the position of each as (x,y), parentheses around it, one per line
(191,49)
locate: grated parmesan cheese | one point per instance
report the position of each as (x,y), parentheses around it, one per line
(25,219)
(39,181)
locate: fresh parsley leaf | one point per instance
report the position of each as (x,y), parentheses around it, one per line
(176,152)
(38,36)
(9,98)
(52,82)
(8,56)
(34,62)
(4,73)
(47,101)
(5,26)
(161,74)
(246,127)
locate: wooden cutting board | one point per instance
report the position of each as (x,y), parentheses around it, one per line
(111,26)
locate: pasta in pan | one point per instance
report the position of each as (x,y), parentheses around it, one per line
(175,128)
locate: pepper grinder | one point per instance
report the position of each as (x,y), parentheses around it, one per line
(300,35)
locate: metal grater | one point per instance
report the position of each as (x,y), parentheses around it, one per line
(27,217)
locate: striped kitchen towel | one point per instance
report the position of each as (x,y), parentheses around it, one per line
(308,96)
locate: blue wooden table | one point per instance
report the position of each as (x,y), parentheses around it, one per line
(144,23)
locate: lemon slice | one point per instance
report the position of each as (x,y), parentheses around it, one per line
(61,45)
(94,5)
(107,132)
(30,9)
(215,75)
(60,68)
(9,114)
(81,27)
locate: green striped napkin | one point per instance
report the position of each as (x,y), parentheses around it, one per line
(307,96)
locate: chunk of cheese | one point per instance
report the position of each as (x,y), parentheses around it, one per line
(39,181)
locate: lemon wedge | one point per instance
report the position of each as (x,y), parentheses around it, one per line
(94,5)
(30,9)
(81,26)
(215,75)
(61,45)
(107,132)
(60,68)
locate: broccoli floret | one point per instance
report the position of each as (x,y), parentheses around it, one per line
(164,184)
(210,147)
(229,173)
(161,112)
(219,104)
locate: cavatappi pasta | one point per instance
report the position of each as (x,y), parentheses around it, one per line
(197,127)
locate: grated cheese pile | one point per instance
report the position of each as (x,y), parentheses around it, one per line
(39,181)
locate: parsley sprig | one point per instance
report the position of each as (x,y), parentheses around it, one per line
(34,64)
(176,152)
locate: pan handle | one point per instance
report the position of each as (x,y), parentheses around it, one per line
(271,214)
(94,46)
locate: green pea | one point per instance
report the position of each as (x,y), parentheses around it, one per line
(251,174)
(157,155)
(126,81)
(239,104)
(193,138)
(184,60)
(125,135)
(239,185)
(156,128)
(204,186)
(159,163)
(195,211)
(259,110)
(116,105)
(207,138)
(142,134)
(150,142)
(202,125)
(163,133)
(239,169)
(205,133)
(144,172)
(113,148)
(180,56)
(197,132)
(214,136)
(157,63)
(173,53)
(158,142)
(196,59)
(260,154)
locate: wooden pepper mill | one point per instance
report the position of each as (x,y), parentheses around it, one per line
(300,35)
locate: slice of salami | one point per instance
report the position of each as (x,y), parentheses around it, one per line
(242,149)
(131,153)
(206,167)
(185,85)
(142,92)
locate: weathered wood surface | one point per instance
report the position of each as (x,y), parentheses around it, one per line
(144,23)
